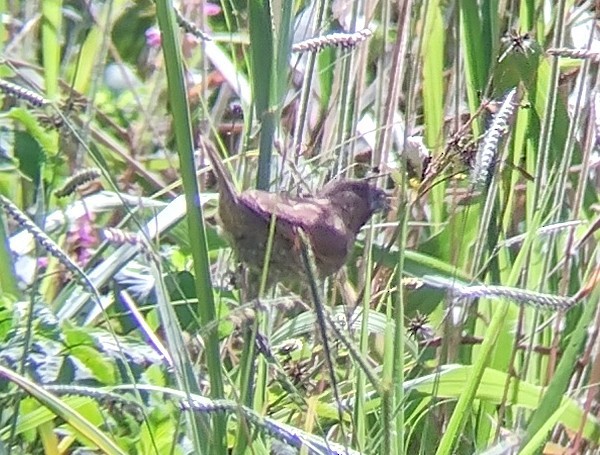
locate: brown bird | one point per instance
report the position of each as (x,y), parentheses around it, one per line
(331,220)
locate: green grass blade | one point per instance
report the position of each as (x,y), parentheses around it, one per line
(82,426)
(551,400)
(51,31)
(185,148)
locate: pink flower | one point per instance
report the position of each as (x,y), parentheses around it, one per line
(81,238)
(153,37)
(211,9)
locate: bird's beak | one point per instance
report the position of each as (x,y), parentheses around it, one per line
(380,203)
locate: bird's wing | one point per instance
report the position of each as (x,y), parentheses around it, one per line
(325,229)
(227,191)
(292,211)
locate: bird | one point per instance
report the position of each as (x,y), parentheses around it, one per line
(330,221)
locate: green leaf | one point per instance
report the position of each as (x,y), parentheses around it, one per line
(102,368)
(492,387)
(83,427)
(46,139)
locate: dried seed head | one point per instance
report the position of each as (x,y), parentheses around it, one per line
(343,40)
(78,180)
(190,28)
(583,54)
(485,158)
(22,93)
(46,242)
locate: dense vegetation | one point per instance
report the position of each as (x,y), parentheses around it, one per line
(466,319)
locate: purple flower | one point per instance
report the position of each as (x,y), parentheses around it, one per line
(211,9)
(153,37)
(81,238)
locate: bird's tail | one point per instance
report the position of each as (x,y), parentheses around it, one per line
(226,188)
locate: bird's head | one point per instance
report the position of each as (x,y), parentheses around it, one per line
(355,200)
